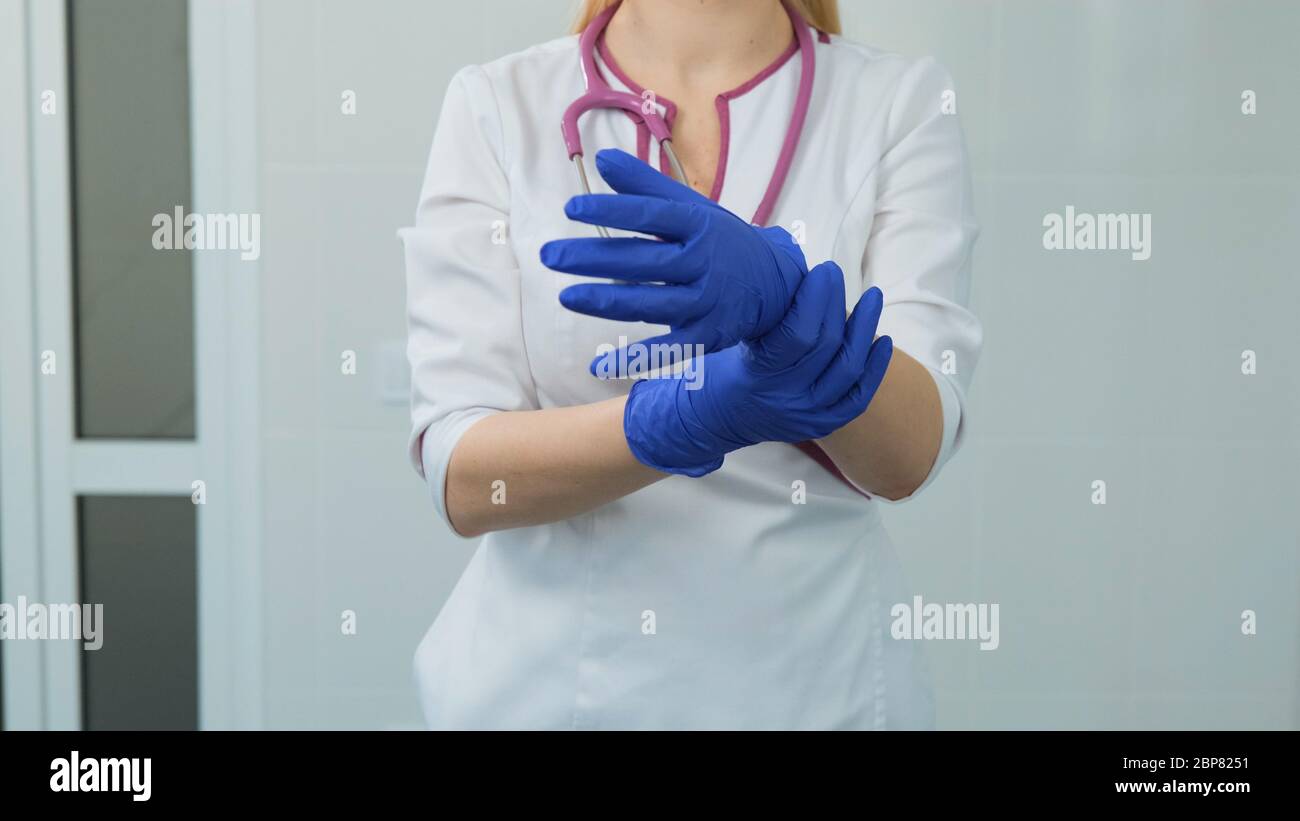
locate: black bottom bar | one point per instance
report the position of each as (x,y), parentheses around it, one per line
(440,772)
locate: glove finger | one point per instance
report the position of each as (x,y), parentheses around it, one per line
(833,319)
(656,304)
(665,350)
(851,358)
(627,258)
(677,221)
(801,327)
(859,396)
(628,175)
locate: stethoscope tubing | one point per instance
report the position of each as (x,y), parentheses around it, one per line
(598,94)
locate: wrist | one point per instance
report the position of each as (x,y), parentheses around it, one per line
(657,434)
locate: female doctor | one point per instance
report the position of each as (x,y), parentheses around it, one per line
(664,552)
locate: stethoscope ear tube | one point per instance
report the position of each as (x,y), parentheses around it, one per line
(665,146)
(586,188)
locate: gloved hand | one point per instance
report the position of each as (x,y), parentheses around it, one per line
(804,379)
(724,280)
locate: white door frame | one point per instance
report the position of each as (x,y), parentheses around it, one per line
(44,466)
(23,662)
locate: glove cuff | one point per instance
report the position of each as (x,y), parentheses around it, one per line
(657,435)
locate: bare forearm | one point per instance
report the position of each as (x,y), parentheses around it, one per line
(555,464)
(890,448)
(535,467)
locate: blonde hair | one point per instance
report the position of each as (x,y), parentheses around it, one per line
(823,15)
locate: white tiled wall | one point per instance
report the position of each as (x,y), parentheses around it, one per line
(1095,367)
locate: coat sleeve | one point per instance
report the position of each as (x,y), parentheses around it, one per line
(464,331)
(922,235)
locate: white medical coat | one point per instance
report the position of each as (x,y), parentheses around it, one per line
(717,602)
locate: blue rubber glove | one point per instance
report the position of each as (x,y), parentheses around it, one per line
(724,280)
(804,379)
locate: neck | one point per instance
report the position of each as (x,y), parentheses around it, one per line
(698,40)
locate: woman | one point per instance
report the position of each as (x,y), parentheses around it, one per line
(659,553)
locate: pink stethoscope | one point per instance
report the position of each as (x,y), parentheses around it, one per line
(600,95)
